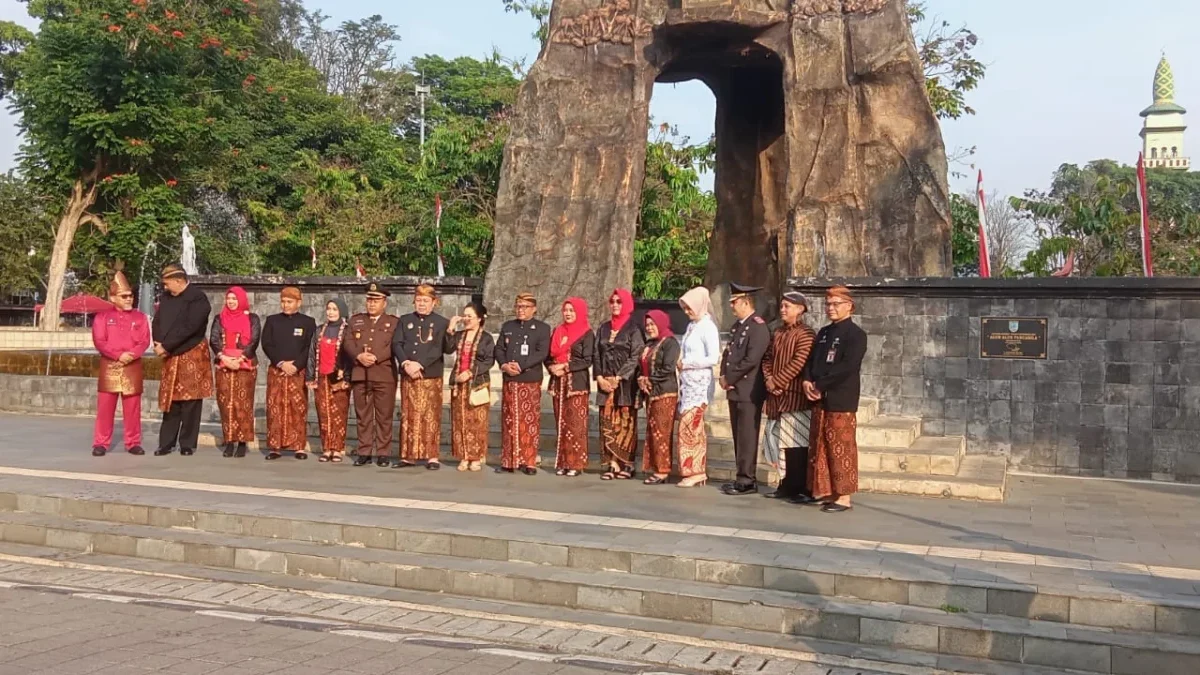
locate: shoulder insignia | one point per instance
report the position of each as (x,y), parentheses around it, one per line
(758,319)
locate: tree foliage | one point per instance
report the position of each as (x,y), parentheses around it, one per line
(948,54)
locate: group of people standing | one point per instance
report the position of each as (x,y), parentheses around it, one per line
(807,383)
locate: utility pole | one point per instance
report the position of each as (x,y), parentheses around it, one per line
(422,91)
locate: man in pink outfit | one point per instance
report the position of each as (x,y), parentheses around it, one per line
(121,335)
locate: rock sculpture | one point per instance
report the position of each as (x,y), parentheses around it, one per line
(830,161)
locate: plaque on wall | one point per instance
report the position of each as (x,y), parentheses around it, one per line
(1012,338)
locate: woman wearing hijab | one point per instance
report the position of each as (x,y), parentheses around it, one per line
(233,339)
(470,388)
(328,376)
(658,382)
(571,352)
(700,353)
(619,344)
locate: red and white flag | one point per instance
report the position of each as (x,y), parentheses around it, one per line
(985,260)
(1068,267)
(1144,210)
(358,270)
(312,247)
(437,234)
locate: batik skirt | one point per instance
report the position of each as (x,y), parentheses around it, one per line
(333,413)
(520,428)
(833,454)
(235,399)
(618,432)
(693,443)
(660,434)
(287,411)
(571,422)
(468,425)
(420,418)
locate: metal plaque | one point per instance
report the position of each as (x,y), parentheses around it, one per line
(1012,338)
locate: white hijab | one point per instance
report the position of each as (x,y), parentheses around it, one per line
(699,301)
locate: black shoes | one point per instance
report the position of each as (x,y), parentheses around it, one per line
(380,462)
(803,500)
(734,489)
(779,494)
(136,450)
(163,451)
(362,460)
(99,451)
(433,466)
(501,469)
(187,452)
(241,450)
(529,470)
(228,450)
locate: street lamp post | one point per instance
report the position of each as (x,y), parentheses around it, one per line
(422,91)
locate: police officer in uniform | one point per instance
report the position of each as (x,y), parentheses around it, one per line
(742,380)
(368,342)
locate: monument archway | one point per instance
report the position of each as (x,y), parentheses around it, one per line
(830,161)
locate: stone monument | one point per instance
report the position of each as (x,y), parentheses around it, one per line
(830,161)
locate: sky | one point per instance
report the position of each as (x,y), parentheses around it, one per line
(1065,83)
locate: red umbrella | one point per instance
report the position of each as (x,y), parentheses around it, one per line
(81,303)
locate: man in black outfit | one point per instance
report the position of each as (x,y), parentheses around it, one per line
(179,331)
(742,380)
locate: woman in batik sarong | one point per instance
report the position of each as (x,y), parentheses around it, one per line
(619,344)
(700,352)
(571,353)
(471,378)
(328,376)
(658,383)
(233,340)
(832,380)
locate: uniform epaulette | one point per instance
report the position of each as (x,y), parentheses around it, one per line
(758,319)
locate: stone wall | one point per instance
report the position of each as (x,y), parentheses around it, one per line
(1118,395)
(263,290)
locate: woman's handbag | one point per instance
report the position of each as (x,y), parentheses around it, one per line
(481,395)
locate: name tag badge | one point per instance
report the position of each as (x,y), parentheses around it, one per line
(524,350)
(831,356)
(298,332)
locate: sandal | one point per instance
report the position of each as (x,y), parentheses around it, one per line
(273,455)
(476,466)
(560,472)
(655,480)
(301,455)
(834,507)
(464,465)
(571,473)
(608,475)
(625,475)
(325,457)
(336,458)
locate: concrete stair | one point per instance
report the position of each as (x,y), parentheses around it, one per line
(980,626)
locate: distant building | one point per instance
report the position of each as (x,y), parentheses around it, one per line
(1162,132)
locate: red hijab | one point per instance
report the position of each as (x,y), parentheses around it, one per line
(236,320)
(621,319)
(567,334)
(659,318)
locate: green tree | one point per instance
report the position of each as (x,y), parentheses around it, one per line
(539,11)
(26,233)
(964,234)
(117,99)
(671,250)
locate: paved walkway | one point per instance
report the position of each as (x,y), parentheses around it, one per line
(1055,518)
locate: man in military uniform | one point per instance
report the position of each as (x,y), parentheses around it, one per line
(368,343)
(742,380)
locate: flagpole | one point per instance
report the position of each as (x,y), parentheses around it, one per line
(1144,214)
(437,234)
(985,260)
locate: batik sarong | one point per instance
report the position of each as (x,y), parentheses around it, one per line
(791,430)
(521,411)
(660,434)
(187,377)
(287,411)
(235,400)
(833,454)
(420,419)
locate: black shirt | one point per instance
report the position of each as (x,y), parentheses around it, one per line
(181,320)
(835,365)
(527,343)
(424,339)
(579,364)
(664,366)
(619,354)
(287,337)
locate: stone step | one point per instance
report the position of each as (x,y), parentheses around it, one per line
(928,455)
(606,586)
(979,477)
(890,431)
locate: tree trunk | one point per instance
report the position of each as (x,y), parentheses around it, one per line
(74,215)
